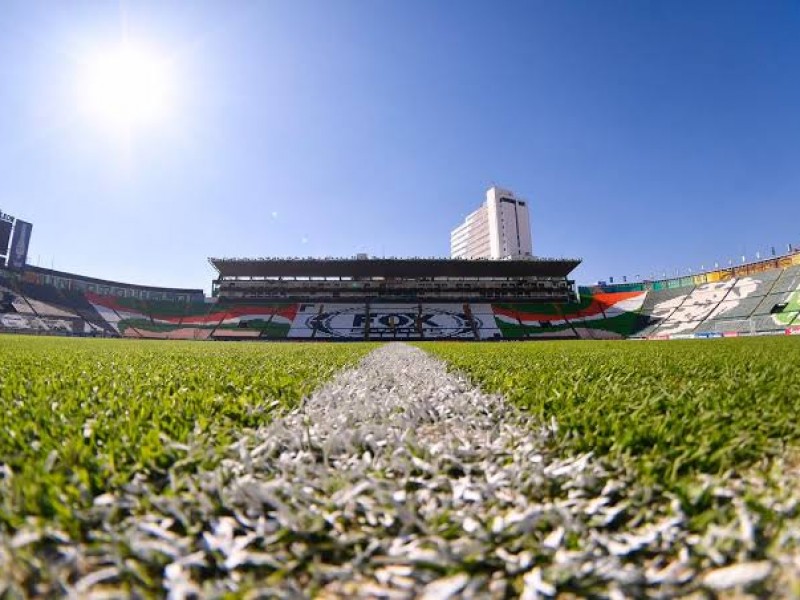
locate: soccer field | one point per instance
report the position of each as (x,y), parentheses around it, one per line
(645,469)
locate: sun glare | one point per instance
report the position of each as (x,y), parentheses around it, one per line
(125,88)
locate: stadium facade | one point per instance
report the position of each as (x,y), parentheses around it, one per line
(500,228)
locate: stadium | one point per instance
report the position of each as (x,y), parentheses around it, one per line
(238,360)
(197,467)
(365,298)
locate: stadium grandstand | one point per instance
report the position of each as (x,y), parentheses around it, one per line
(46,301)
(412,298)
(406,298)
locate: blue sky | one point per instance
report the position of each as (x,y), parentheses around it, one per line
(647,136)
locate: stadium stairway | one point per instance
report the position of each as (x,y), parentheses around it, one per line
(32,315)
(732,314)
(756,304)
(663,311)
(77,301)
(695,308)
(468,312)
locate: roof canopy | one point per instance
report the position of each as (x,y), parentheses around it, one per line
(96,281)
(392,267)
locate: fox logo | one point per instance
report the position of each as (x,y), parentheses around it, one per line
(352,322)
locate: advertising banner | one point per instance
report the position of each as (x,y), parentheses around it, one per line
(400,321)
(18,253)
(5,236)
(793,330)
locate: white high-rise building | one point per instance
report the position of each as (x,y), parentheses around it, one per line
(500,228)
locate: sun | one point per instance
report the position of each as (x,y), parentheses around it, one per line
(126,87)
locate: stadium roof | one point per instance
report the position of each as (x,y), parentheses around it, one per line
(392,267)
(109,283)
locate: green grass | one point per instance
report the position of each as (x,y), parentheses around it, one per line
(78,418)
(148,421)
(670,410)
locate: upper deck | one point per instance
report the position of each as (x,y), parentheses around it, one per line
(391,268)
